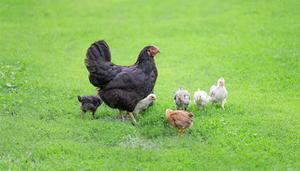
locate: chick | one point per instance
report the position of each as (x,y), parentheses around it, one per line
(142,105)
(218,93)
(89,104)
(145,103)
(152,101)
(182,99)
(201,99)
(179,119)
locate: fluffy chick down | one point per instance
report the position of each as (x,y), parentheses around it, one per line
(201,99)
(145,103)
(180,119)
(182,99)
(218,93)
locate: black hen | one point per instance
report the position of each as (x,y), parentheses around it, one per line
(121,87)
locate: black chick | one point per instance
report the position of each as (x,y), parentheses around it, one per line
(89,104)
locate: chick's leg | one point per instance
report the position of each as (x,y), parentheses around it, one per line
(82,114)
(223,104)
(204,107)
(180,131)
(199,106)
(132,117)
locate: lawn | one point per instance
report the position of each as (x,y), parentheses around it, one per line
(254,45)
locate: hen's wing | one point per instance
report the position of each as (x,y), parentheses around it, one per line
(134,79)
(98,63)
(128,88)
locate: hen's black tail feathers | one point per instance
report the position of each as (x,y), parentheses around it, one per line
(98,63)
(98,51)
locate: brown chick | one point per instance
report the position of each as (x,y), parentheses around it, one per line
(180,119)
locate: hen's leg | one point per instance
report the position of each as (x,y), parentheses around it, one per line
(136,115)
(132,117)
(122,116)
(94,117)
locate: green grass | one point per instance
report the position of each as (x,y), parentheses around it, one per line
(255,45)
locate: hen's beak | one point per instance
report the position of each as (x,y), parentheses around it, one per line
(155,53)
